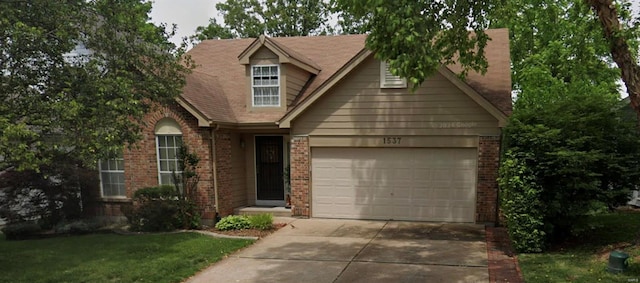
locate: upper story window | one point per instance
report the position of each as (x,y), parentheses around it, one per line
(112,177)
(388,80)
(265,85)
(168,143)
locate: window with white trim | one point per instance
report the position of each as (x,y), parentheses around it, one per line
(388,80)
(168,160)
(112,177)
(265,85)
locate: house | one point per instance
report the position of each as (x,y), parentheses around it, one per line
(356,142)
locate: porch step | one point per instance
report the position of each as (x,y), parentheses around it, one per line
(276,211)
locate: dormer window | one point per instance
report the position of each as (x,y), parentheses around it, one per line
(388,80)
(265,85)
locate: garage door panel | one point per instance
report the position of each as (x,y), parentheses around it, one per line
(423,184)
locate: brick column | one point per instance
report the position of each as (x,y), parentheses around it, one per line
(487,193)
(300,176)
(223,171)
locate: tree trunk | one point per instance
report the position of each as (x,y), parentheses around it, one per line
(620,51)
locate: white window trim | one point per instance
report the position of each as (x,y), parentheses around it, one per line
(396,82)
(102,182)
(158,157)
(278,86)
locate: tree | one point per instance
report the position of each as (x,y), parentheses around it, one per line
(252,18)
(619,30)
(82,105)
(400,29)
(415,37)
(569,147)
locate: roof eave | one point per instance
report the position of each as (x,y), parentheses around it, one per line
(203,120)
(474,95)
(283,56)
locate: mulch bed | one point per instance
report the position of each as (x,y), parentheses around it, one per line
(503,263)
(249,232)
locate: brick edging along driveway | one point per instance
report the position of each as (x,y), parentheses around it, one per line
(503,262)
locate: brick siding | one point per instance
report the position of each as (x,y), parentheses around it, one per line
(300,176)
(141,166)
(487,187)
(223,168)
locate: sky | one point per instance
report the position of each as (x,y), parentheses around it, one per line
(187,14)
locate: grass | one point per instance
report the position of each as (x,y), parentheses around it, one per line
(586,259)
(112,258)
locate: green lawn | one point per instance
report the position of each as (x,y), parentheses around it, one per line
(586,259)
(112,258)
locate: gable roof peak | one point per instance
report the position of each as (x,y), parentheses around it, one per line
(284,53)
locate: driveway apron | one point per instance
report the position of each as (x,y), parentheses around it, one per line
(330,250)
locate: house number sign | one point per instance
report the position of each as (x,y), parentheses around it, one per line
(391,140)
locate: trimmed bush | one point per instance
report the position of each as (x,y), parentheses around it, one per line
(78,227)
(21,231)
(155,193)
(233,222)
(261,221)
(161,209)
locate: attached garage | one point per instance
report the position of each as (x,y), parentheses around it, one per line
(364,149)
(417,184)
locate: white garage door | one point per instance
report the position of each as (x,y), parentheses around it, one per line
(422,184)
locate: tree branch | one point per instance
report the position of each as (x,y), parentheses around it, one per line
(620,50)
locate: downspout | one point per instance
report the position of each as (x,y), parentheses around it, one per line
(214,166)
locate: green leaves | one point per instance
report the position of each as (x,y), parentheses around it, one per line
(521,203)
(568,142)
(79,77)
(416,37)
(277,18)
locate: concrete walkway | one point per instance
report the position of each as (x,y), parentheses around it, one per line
(329,250)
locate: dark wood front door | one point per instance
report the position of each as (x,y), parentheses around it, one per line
(269,168)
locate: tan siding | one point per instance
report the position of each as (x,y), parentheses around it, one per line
(357,106)
(401,132)
(238,172)
(296,78)
(263,53)
(399,141)
(250,175)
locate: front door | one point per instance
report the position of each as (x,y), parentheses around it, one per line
(269,170)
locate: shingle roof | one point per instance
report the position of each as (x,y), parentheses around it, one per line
(200,92)
(217,87)
(495,84)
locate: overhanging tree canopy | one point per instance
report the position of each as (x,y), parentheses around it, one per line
(252,18)
(85,104)
(399,30)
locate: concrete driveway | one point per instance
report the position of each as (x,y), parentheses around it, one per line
(329,250)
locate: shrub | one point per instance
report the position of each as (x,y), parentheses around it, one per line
(20,231)
(571,154)
(160,192)
(521,205)
(159,209)
(167,208)
(77,227)
(261,221)
(50,194)
(233,222)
